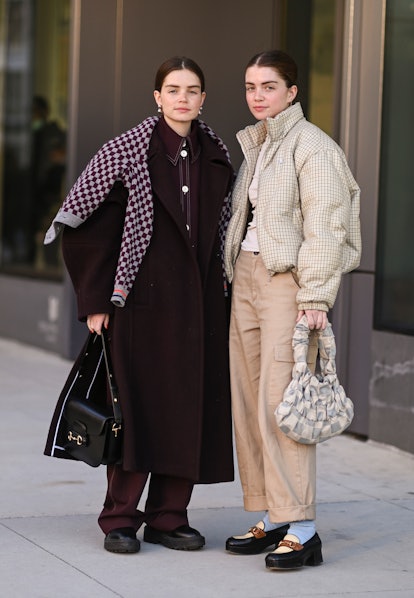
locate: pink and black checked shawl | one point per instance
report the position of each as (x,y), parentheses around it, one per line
(124,158)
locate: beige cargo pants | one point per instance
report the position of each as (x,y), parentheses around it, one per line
(277,474)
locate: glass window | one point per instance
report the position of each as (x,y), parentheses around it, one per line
(309,36)
(394,292)
(321,74)
(34,36)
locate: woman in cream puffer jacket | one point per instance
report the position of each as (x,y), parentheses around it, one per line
(294,231)
(305,180)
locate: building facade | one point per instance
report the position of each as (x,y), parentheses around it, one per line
(74,73)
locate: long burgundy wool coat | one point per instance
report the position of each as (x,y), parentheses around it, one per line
(169,343)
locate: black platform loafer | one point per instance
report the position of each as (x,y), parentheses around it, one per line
(181,538)
(122,539)
(290,554)
(256,540)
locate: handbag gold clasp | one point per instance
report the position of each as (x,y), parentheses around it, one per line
(115,428)
(78,438)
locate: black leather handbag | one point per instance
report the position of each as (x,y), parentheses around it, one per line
(91,429)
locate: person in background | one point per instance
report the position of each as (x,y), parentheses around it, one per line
(294,231)
(48,167)
(143,241)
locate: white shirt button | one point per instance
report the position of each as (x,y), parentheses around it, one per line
(184,189)
(184,153)
(187,226)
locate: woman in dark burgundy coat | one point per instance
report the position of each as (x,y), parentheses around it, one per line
(146,263)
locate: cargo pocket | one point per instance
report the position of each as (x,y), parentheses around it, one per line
(280,373)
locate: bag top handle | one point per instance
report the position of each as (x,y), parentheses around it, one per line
(326,345)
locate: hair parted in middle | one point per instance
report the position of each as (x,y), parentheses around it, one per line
(280,62)
(178,63)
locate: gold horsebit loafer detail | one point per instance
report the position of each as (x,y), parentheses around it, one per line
(257,532)
(291,544)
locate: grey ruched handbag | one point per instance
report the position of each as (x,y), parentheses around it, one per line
(315,406)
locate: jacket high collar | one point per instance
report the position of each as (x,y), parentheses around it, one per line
(276,128)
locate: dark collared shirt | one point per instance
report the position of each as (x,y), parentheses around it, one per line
(183,154)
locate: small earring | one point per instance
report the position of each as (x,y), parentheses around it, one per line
(159,108)
(200,110)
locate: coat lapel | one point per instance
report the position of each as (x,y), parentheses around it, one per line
(215,182)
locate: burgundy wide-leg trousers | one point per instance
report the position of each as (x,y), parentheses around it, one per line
(165,507)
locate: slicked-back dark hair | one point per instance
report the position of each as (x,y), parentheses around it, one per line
(280,62)
(178,63)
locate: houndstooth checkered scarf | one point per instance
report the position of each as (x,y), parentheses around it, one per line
(124,158)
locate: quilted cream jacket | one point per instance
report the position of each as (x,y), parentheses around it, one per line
(307,210)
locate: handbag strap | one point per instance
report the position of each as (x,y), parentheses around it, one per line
(113,388)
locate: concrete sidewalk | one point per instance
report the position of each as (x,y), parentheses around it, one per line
(50,545)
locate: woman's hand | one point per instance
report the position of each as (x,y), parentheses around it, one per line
(96,321)
(317,319)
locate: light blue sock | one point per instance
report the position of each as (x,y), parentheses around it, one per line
(304,530)
(268,525)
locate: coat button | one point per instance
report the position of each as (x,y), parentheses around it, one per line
(184,189)
(183,153)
